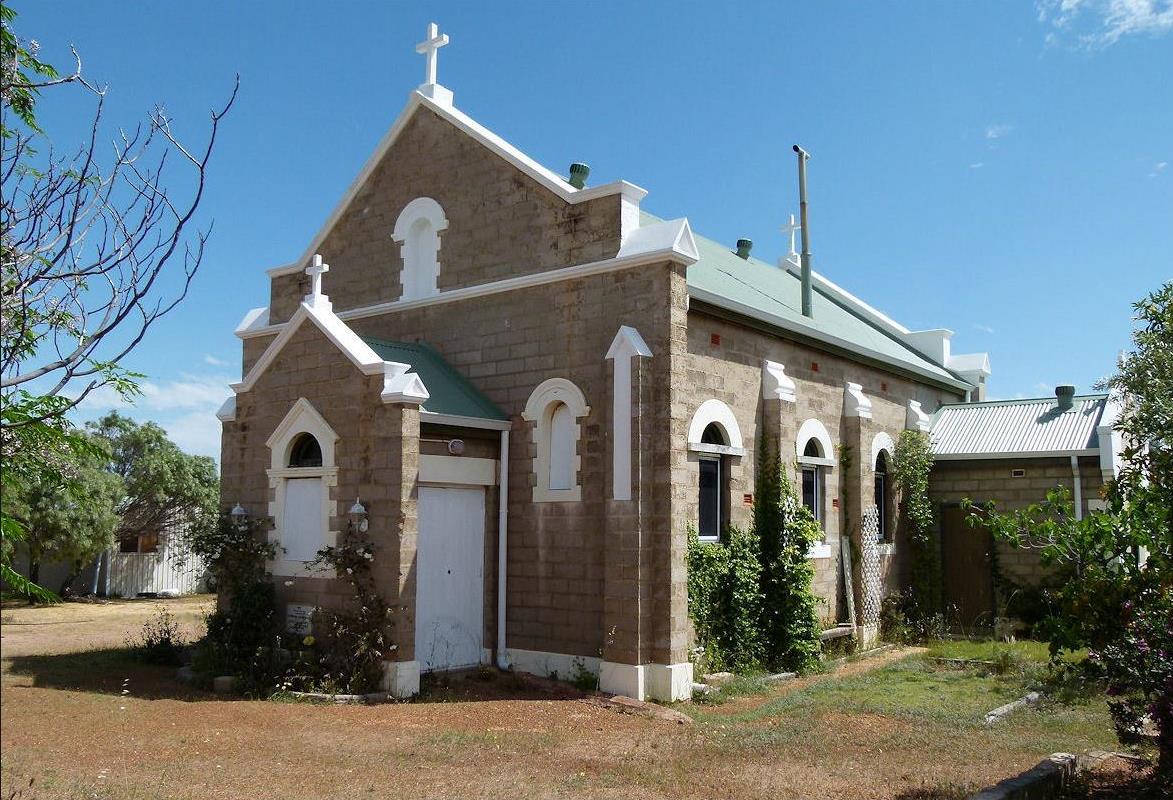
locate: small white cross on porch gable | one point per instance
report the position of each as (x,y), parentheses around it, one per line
(429,48)
(315,299)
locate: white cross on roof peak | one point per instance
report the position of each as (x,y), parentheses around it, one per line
(429,48)
(315,298)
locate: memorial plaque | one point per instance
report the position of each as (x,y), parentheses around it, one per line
(299,619)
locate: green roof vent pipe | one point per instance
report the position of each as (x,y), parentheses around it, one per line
(743,247)
(807,308)
(1065,394)
(579,172)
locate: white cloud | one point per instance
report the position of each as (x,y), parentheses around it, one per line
(215,362)
(977,165)
(185,407)
(998,130)
(1158,168)
(983,328)
(1100,23)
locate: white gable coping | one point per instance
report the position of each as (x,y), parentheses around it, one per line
(227,410)
(855,402)
(674,235)
(915,418)
(257,319)
(399,385)
(681,249)
(631,193)
(776,384)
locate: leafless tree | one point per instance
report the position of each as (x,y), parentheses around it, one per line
(97,244)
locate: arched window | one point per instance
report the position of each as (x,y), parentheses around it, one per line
(714,437)
(880,497)
(302,472)
(815,458)
(418,231)
(306,452)
(555,407)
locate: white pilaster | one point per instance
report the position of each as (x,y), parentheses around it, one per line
(627,345)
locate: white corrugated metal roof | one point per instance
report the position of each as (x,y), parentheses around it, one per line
(1017,426)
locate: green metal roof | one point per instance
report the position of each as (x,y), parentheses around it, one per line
(1036,426)
(450,392)
(773,295)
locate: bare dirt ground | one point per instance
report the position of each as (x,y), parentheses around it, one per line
(82,720)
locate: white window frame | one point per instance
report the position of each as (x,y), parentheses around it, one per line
(822,465)
(719,460)
(301,418)
(420,269)
(882,443)
(539,410)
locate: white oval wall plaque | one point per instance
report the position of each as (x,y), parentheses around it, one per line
(299,619)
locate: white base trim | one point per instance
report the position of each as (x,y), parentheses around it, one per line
(401,678)
(624,679)
(669,683)
(538,662)
(867,636)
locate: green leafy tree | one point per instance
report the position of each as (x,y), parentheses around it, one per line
(165,488)
(1111,584)
(89,238)
(66,520)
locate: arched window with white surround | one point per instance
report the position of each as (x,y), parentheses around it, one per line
(554,408)
(883,495)
(815,458)
(418,231)
(301,473)
(714,437)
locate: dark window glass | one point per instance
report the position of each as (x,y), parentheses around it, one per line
(812,449)
(882,504)
(810,492)
(306,452)
(713,435)
(710,499)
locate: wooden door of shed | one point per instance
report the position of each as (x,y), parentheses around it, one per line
(966,571)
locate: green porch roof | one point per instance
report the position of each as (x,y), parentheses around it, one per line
(450,392)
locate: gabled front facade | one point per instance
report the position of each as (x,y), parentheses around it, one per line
(535,390)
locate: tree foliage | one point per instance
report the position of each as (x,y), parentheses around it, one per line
(911,463)
(1111,585)
(90,237)
(165,488)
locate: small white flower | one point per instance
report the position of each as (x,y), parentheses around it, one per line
(288,583)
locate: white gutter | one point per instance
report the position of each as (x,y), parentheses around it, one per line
(1078,487)
(502,547)
(1023,454)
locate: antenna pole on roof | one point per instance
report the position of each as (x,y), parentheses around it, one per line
(807,310)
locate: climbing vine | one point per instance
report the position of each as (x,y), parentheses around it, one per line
(750,596)
(912,463)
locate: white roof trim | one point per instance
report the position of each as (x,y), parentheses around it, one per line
(459,421)
(676,252)
(227,410)
(255,320)
(544,176)
(671,235)
(812,332)
(399,385)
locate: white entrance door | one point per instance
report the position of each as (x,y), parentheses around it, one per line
(450,587)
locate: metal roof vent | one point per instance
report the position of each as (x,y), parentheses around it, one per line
(1065,394)
(579,172)
(743,247)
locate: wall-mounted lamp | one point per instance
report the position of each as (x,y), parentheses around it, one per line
(238,514)
(358,516)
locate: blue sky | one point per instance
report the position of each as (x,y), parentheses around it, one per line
(998,168)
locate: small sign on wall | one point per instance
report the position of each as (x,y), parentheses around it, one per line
(299,619)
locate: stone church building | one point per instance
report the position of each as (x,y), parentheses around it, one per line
(530,389)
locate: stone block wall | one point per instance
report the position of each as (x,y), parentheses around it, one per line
(501,223)
(992,479)
(723,359)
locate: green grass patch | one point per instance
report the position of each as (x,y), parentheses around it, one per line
(739,686)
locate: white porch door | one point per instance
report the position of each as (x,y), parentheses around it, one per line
(450,587)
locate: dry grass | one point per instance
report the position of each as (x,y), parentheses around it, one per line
(871,731)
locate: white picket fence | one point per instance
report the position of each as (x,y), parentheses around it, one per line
(133,574)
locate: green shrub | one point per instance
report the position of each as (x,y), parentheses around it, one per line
(160,641)
(724,599)
(912,462)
